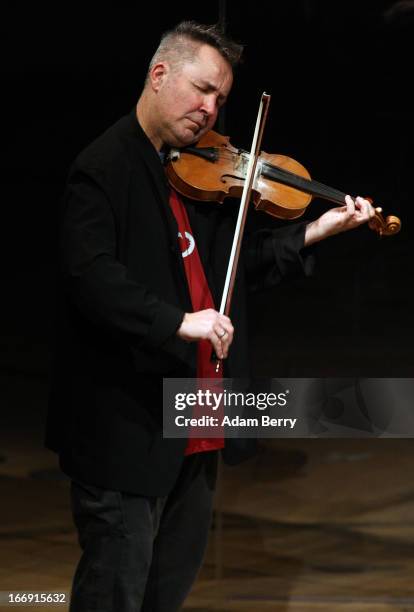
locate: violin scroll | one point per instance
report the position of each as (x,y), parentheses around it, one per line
(384,226)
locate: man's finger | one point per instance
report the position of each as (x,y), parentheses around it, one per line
(350,205)
(219,344)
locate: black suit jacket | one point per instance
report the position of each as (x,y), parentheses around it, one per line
(122,296)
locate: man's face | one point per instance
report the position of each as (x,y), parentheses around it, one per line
(189,98)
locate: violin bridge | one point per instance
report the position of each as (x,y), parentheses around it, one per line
(241,163)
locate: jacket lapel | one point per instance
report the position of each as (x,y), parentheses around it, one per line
(145,153)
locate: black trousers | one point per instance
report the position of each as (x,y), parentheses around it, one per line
(142,554)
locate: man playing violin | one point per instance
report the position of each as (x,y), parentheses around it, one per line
(141,275)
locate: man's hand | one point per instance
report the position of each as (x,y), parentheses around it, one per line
(208,325)
(339,219)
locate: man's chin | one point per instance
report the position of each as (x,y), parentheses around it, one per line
(186,139)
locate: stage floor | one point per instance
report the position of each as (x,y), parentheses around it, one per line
(308,525)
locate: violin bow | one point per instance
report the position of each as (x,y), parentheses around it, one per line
(251,175)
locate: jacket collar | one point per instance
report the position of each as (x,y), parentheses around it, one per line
(149,155)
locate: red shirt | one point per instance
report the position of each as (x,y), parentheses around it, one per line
(201,299)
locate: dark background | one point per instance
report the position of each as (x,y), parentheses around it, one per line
(340,75)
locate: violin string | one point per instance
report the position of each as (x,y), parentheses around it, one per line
(309,185)
(294,180)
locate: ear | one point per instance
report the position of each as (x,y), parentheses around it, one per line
(158,75)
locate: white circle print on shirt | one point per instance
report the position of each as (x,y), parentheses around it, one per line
(191,244)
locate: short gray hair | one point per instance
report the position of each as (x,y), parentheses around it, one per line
(179,45)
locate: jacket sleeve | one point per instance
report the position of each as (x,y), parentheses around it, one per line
(271,255)
(95,281)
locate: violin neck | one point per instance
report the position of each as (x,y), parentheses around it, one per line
(303,184)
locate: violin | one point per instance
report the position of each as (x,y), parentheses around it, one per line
(213,169)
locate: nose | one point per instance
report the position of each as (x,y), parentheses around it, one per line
(209,105)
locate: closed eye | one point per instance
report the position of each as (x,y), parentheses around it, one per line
(207,89)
